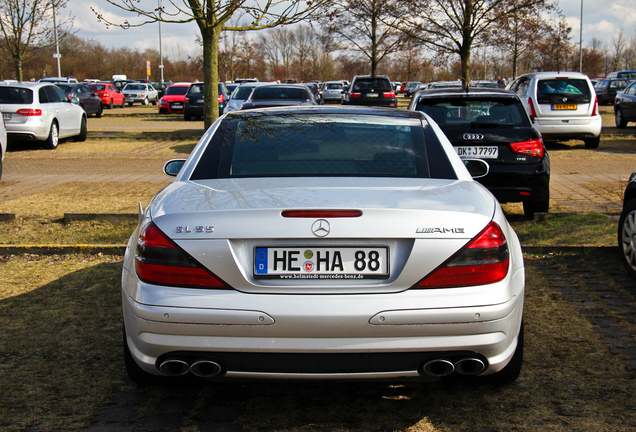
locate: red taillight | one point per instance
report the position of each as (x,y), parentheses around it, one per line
(321,213)
(355,95)
(221,98)
(595,109)
(186,99)
(29,112)
(531,148)
(390,94)
(160,261)
(482,261)
(533,113)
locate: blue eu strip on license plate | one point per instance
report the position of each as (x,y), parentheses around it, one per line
(260,261)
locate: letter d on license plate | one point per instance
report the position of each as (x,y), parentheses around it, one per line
(321,263)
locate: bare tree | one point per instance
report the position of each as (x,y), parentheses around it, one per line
(516,32)
(213,17)
(618,46)
(455,26)
(366,27)
(27,25)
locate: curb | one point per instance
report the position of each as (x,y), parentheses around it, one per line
(121,249)
(62,249)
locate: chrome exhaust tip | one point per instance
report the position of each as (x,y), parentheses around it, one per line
(205,368)
(438,367)
(174,367)
(470,366)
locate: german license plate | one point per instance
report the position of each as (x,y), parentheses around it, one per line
(199,100)
(6,116)
(564,106)
(178,106)
(372,95)
(480,152)
(321,262)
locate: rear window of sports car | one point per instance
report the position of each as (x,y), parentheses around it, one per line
(323,145)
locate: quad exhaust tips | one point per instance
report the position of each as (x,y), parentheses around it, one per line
(445,367)
(202,368)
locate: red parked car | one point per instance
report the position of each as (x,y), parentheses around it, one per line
(109,94)
(173,100)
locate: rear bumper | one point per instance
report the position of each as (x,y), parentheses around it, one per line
(518,183)
(288,337)
(569,128)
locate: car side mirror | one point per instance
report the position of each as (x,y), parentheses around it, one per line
(173,167)
(74,100)
(476,167)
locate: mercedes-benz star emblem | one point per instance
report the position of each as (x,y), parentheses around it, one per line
(321,228)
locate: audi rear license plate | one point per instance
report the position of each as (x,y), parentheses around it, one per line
(480,152)
(564,106)
(336,262)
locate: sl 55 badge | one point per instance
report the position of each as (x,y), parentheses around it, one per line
(197,229)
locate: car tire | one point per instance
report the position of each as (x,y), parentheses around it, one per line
(99,112)
(627,237)
(529,209)
(145,102)
(186,117)
(154,102)
(592,143)
(83,131)
(512,370)
(0,167)
(136,373)
(130,104)
(543,206)
(111,105)
(619,119)
(53,139)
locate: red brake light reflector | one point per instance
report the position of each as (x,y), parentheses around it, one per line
(533,113)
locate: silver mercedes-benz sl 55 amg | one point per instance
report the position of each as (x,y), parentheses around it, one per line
(323,243)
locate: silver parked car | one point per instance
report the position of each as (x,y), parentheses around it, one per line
(323,243)
(41,112)
(332,91)
(142,93)
(240,95)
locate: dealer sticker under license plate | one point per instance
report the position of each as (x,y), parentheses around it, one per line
(321,263)
(480,152)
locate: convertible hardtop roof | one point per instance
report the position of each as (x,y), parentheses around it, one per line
(322,109)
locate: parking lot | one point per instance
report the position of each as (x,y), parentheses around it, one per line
(581,308)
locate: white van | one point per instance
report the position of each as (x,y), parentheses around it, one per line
(562,105)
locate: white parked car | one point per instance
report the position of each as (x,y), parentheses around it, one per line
(142,93)
(323,243)
(41,112)
(562,105)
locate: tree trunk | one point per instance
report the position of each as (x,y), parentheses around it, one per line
(18,68)
(211,74)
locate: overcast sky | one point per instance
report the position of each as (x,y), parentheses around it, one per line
(601,20)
